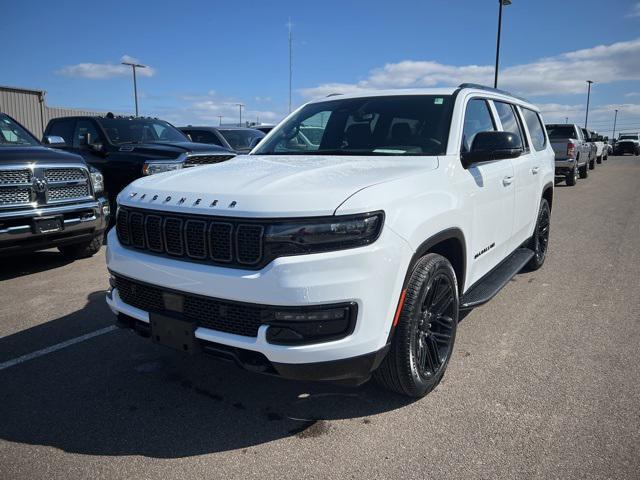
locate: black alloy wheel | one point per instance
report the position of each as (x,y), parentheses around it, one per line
(571,177)
(539,243)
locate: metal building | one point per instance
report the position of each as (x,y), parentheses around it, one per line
(29,108)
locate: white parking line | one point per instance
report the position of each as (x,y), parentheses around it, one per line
(56,347)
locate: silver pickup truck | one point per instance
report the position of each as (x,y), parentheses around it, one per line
(573,152)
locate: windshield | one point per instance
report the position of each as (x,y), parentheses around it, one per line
(240,139)
(140,130)
(560,131)
(393,125)
(628,137)
(12,134)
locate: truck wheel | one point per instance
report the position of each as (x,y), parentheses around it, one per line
(423,339)
(584,171)
(592,164)
(599,159)
(82,250)
(572,177)
(539,242)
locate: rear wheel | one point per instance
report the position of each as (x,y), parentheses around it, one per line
(82,250)
(592,164)
(571,177)
(599,159)
(539,242)
(584,171)
(424,336)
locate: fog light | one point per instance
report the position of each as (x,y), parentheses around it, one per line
(106,210)
(295,327)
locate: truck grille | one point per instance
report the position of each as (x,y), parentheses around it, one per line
(221,315)
(222,241)
(40,185)
(206,159)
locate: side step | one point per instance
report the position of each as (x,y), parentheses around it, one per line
(489,285)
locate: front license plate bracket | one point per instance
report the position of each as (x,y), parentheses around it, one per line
(175,333)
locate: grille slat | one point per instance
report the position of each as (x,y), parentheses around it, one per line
(64,174)
(216,314)
(14,196)
(206,159)
(15,176)
(195,238)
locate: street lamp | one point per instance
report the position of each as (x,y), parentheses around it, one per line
(502,3)
(615,119)
(135,85)
(240,105)
(586,117)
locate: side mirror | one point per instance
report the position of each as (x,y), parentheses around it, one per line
(490,146)
(55,141)
(92,145)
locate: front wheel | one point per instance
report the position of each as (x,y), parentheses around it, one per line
(82,250)
(584,170)
(539,242)
(599,159)
(592,164)
(424,335)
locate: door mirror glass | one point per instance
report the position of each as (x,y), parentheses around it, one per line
(55,141)
(490,146)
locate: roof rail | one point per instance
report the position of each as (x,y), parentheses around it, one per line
(491,89)
(333,94)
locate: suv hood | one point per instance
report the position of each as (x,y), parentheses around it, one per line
(35,154)
(269,186)
(171,150)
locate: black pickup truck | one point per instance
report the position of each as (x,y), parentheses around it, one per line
(126,148)
(48,198)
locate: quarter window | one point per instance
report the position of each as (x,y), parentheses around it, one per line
(477,118)
(536,129)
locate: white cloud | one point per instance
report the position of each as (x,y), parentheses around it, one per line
(547,76)
(635,11)
(632,94)
(102,71)
(600,116)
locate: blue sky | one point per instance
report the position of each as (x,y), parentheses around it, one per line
(207,55)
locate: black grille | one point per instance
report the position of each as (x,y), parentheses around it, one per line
(206,159)
(220,315)
(198,238)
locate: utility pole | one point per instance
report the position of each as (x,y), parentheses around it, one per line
(586,117)
(220,118)
(240,105)
(615,119)
(289,24)
(502,3)
(135,84)
(566,119)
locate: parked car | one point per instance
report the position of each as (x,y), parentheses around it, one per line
(235,139)
(628,143)
(264,128)
(571,151)
(352,257)
(126,148)
(608,146)
(48,198)
(593,151)
(601,150)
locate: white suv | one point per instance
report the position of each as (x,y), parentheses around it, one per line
(346,253)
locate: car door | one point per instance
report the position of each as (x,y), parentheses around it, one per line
(524,168)
(489,194)
(86,140)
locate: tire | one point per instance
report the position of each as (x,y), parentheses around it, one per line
(599,159)
(571,178)
(82,250)
(592,164)
(584,171)
(539,242)
(423,339)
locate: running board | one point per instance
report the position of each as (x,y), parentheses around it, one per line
(488,286)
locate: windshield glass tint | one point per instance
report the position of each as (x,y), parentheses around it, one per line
(240,139)
(140,130)
(628,137)
(560,131)
(394,125)
(12,134)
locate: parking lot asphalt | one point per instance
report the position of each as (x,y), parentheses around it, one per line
(544,381)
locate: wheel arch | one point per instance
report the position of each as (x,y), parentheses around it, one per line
(547,194)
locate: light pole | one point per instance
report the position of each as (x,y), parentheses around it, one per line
(502,3)
(586,117)
(566,119)
(289,24)
(220,118)
(135,84)
(240,105)
(615,119)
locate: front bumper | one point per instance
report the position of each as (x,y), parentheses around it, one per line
(80,222)
(370,276)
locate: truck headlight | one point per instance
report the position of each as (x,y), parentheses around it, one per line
(159,166)
(324,234)
(97,180)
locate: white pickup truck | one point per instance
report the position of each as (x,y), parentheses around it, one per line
(346,257)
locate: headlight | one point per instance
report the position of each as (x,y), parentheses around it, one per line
(160,166)
(333,233)
(97,180)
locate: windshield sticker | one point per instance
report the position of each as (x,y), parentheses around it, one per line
(438,100)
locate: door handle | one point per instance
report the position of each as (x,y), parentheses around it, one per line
(506,181)
(535,170)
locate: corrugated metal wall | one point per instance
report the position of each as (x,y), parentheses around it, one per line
(29,108)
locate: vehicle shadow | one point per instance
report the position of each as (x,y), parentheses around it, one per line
(119,394)
(28,263)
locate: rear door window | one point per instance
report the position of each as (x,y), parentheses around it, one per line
(536,129)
